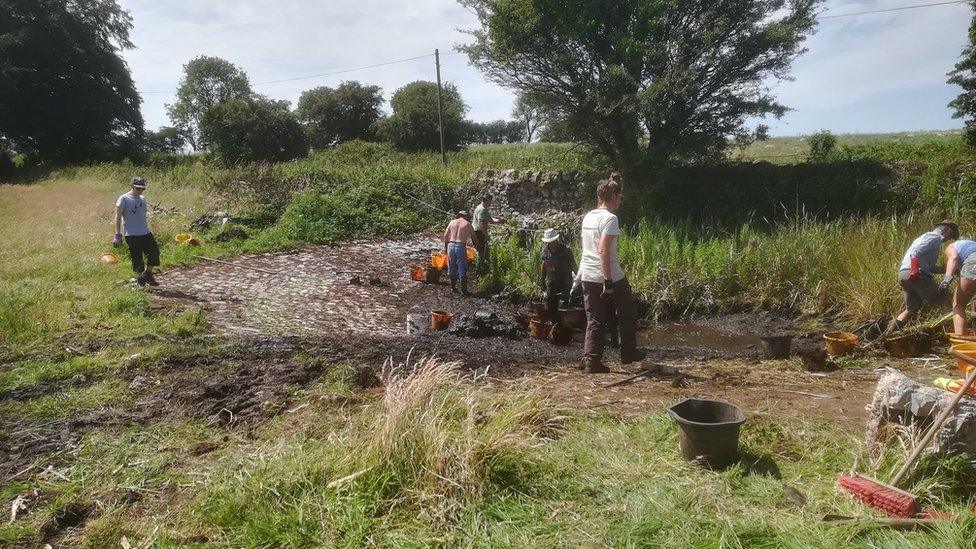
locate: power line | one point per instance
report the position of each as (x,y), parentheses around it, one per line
(893,9)
(343,71)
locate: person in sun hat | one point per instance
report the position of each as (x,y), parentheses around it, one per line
(132,217)
(556,272)
(918,265)
(456,237)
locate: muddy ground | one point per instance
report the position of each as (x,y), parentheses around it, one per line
(286,325)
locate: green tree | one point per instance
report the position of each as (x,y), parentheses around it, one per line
(337,115)
(413,124)
(256,129)
(495,132)
(822,144)
(66,95)
(167,139)
(527,111)
(964,76)
(644,81)
(207,81)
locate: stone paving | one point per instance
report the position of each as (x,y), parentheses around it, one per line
(312,294)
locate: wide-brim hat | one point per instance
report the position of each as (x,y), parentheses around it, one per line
(550,235)
(953,228)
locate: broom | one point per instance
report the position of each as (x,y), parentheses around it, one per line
(886,497)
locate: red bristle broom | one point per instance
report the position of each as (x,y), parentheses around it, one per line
(888,498)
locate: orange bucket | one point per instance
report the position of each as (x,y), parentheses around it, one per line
(417,274)
(968,349)
(108,258)
(539,328)
(471,251)
(840,343)
(440,320)
(438,260)
(523,320)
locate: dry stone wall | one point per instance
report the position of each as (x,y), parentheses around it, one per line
(518,193)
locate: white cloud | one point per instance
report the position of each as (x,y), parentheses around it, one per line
(852,62)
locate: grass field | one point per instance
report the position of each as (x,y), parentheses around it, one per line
(433,459)
(788,149)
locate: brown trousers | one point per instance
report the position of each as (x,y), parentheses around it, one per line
(598,312)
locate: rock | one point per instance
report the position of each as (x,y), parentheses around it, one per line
(131,360)
(78,379)
(138,383)
(901,400)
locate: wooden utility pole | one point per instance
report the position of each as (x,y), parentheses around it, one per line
(440,113)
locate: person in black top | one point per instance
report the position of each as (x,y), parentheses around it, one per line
(558,268)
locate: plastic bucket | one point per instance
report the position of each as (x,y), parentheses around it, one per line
(539,328)
(776,346)
(108,258)
(957,339)
(438,260)
(561,335)
(840,343)
(440,320)
(470,250)
(708,431)
(182,238)
(573,318)
(415,323)
(418,274)
(524,320)
(432,275)
(968,349)
(907,345)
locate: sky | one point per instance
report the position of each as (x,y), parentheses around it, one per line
(881,72)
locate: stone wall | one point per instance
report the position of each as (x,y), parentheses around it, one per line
(518,193)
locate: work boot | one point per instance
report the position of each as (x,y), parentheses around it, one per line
(454,284)
(637,355)
(141,279)
(150,279)
(596,367)
(464,286)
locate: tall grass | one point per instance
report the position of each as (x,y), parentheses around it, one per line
(844,268)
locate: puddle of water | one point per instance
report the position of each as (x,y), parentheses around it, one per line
(673,334)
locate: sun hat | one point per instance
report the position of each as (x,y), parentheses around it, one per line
(550,235)
(138,182)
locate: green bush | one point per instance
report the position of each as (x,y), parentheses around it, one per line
(822,144)
(253,130)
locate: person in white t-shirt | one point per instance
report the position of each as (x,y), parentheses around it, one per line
(132,215)
(604,283)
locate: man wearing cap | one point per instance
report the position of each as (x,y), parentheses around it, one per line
(915,273)
(556,277)
(456,238)
(131,213)
(482,218)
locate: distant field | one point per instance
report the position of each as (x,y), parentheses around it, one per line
(793,148)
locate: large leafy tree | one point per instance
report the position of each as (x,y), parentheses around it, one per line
(644,81)
(413,124)
(964,76)
(256,129)
(66,95)
(167,140)
(335,115)
(207,81)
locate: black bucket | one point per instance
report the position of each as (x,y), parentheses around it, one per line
(776,346)
(708,431)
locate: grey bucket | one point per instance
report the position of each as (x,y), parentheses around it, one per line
(708,431)
(776,346)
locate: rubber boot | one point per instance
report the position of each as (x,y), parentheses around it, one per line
(464,286)
(454,284)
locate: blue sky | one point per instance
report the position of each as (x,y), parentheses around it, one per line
(869,73)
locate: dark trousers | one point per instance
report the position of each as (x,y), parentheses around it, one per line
(481,244)
(143,251)
(598,314)
(556,291)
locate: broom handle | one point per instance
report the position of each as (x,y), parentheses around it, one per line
(939,421)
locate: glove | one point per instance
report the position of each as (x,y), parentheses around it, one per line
(914,268)
(117,241)
(944,285)
(607,289)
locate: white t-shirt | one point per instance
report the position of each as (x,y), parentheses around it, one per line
(134,214)
(596,224)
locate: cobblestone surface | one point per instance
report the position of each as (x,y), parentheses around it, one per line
(312,294)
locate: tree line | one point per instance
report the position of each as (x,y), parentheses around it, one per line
(647,83)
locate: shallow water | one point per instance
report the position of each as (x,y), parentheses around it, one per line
(696,336)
